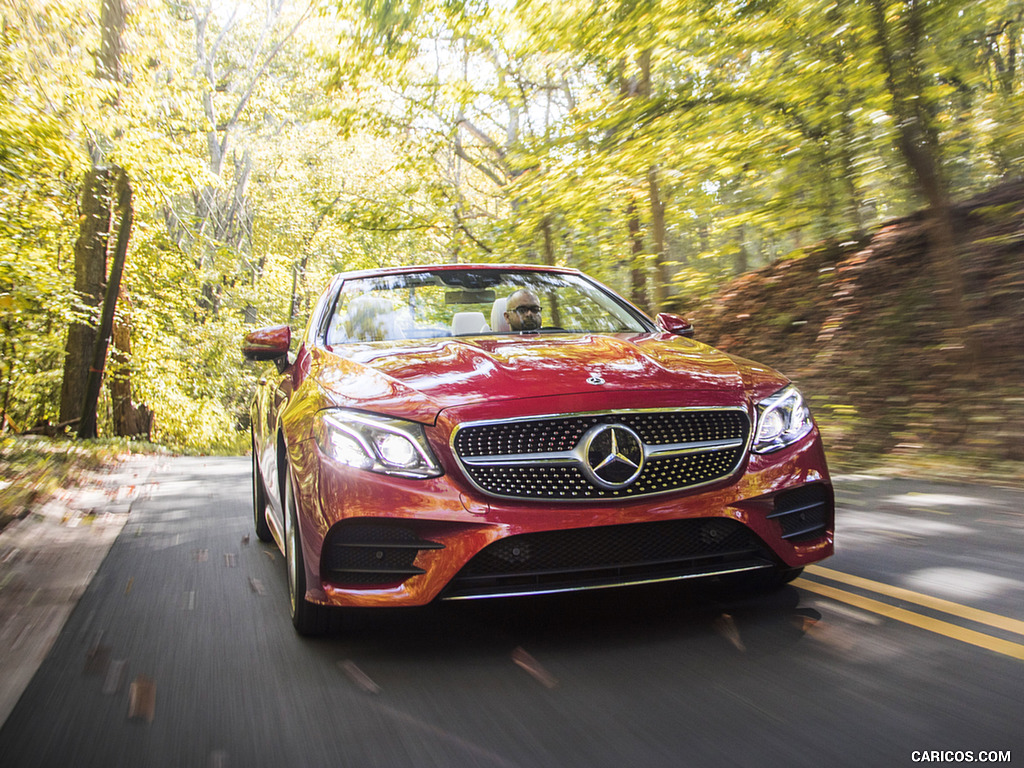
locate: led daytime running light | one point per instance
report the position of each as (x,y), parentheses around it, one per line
(376,443)
(783,419)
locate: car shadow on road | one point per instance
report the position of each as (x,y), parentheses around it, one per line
(755,623)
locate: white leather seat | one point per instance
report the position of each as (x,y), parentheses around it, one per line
(465,323)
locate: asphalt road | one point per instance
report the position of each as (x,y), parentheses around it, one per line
(180,653)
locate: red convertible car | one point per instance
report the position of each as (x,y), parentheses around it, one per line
(474,431)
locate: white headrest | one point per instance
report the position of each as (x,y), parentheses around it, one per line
(498,322)
(468,322)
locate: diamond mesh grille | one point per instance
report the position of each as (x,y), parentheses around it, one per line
(561,481)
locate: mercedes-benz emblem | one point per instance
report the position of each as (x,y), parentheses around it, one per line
(595,380)
(614,455)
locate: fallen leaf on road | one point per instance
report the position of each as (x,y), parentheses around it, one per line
(725,625)
(533,667)
(142,699)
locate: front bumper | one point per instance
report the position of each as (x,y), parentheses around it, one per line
(374,540)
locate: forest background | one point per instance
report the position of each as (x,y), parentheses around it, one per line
(174,173)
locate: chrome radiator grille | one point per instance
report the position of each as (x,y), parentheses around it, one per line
(603,455)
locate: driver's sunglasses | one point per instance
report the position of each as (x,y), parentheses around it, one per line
(528,309)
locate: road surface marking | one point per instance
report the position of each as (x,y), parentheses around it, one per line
(115,676)
(357,676)
(944,628)
(935,603)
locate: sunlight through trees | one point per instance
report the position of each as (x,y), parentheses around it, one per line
(663,146)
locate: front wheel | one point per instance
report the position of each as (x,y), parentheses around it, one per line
(786,575)
(259,501)
(760,581)
(308,618)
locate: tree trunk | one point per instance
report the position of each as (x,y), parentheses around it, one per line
(742,261)
(94,229)
(90,272)
(119,382)
(661,276)
(638,282)
(899,47)
(223,216)
(547,228)
(128,419)
(87,424)
(112,21)
(632,88)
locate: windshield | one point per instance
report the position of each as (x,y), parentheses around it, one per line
(435,304)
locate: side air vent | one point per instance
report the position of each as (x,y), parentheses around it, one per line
(371,553)
(803,513)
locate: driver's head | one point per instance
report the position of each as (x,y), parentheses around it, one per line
(522,310)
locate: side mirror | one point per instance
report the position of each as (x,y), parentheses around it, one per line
(268,344)
(675,324)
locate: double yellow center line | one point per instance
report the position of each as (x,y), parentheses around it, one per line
(945,628)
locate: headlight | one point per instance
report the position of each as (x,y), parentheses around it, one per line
(782,419)
(375,443)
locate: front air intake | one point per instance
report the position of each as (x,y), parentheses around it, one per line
(615,555)
(804,513)
(371,553)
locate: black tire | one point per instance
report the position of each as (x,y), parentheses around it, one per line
(259,502)
(786,575)
(309,619)
(759,582)
(770,581)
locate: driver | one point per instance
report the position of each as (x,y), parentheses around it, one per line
(522,311)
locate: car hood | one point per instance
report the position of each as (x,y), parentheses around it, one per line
(416,379)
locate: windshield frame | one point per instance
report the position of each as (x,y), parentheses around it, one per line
(477,276)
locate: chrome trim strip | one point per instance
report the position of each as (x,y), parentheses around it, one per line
(612,412)
(554,458)
(576,456)
(591,587)
(681,449)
